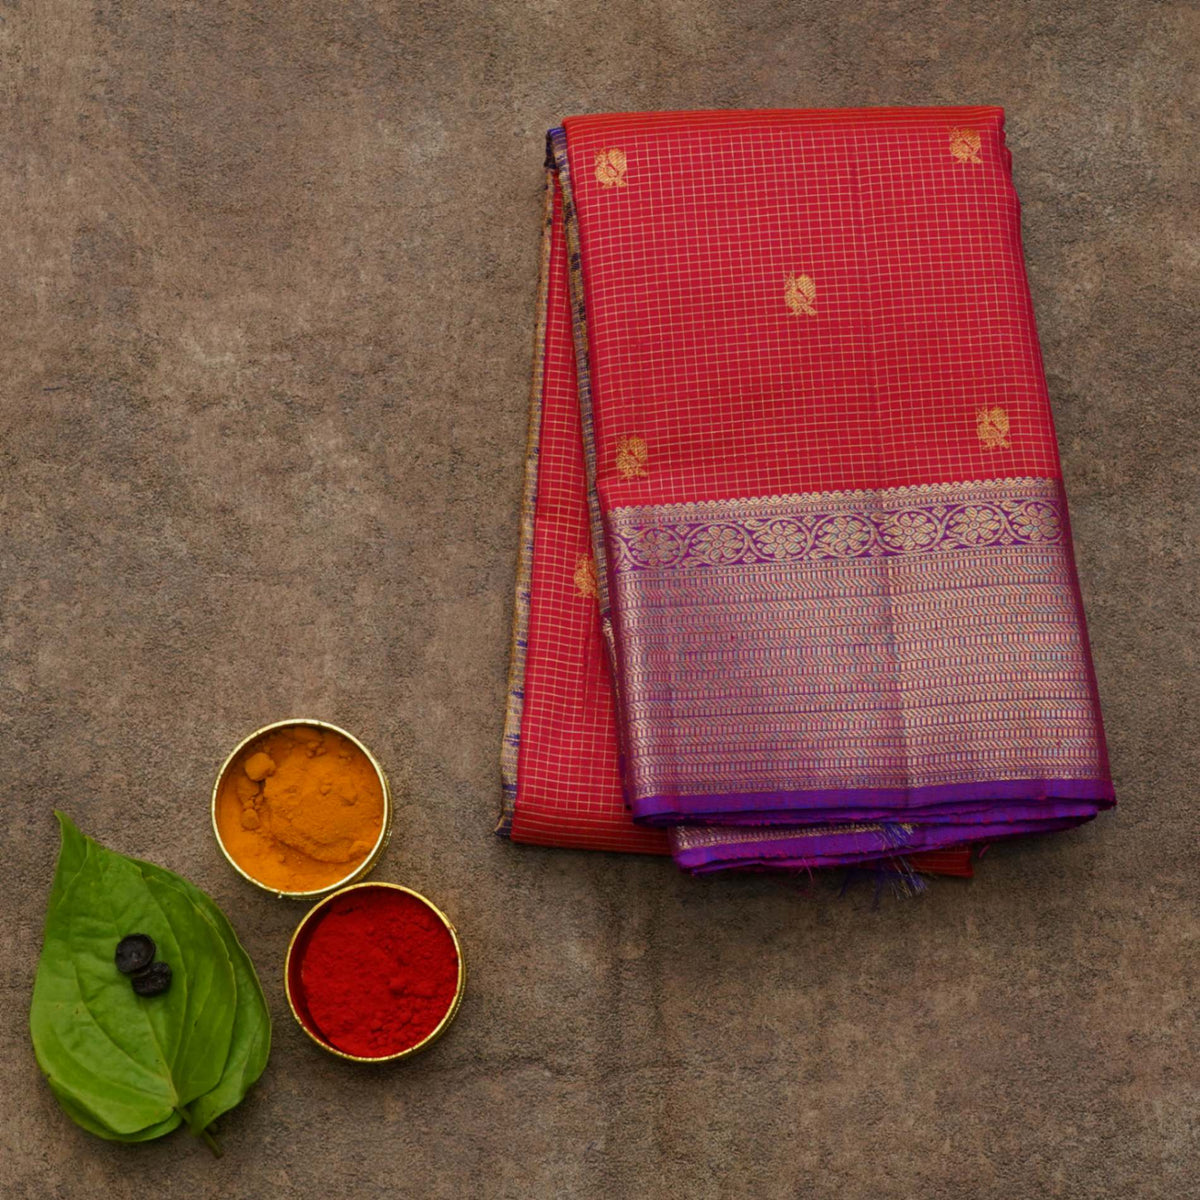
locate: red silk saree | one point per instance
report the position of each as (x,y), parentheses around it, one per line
(795,586)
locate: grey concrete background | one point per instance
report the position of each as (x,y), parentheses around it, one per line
(268,282)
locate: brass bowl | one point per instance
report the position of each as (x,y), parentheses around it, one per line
(296,1001)
(385,830)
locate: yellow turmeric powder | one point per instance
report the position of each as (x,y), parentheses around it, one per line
(300,808)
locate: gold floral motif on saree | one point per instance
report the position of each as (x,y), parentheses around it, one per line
(992,426)
(632,457)
(800,295)
(965,145)
(610,167)
(586,583)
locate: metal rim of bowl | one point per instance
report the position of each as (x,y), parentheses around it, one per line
(381,842)
(441,1026)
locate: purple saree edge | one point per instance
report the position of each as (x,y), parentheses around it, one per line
(869,803)
(839,850)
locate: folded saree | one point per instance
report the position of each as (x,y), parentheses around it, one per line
(796,585)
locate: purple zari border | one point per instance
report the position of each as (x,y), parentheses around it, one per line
(789,853)
(943,800)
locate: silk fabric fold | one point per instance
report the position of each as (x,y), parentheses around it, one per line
(796,584)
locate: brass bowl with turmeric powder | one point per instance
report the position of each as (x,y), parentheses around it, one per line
(301,807)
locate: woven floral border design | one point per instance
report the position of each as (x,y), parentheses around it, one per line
(781,531)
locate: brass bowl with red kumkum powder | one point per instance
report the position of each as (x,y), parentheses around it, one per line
(375,973)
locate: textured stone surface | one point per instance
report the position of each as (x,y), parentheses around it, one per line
(269,280)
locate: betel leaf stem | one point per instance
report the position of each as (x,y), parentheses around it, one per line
(208,1139)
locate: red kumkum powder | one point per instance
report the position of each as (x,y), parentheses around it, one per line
(378,972)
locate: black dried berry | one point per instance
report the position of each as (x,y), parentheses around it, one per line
(153,981)
(134,953)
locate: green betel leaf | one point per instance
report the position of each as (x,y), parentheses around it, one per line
(128,1064)
(85,1120)
(250,1043)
